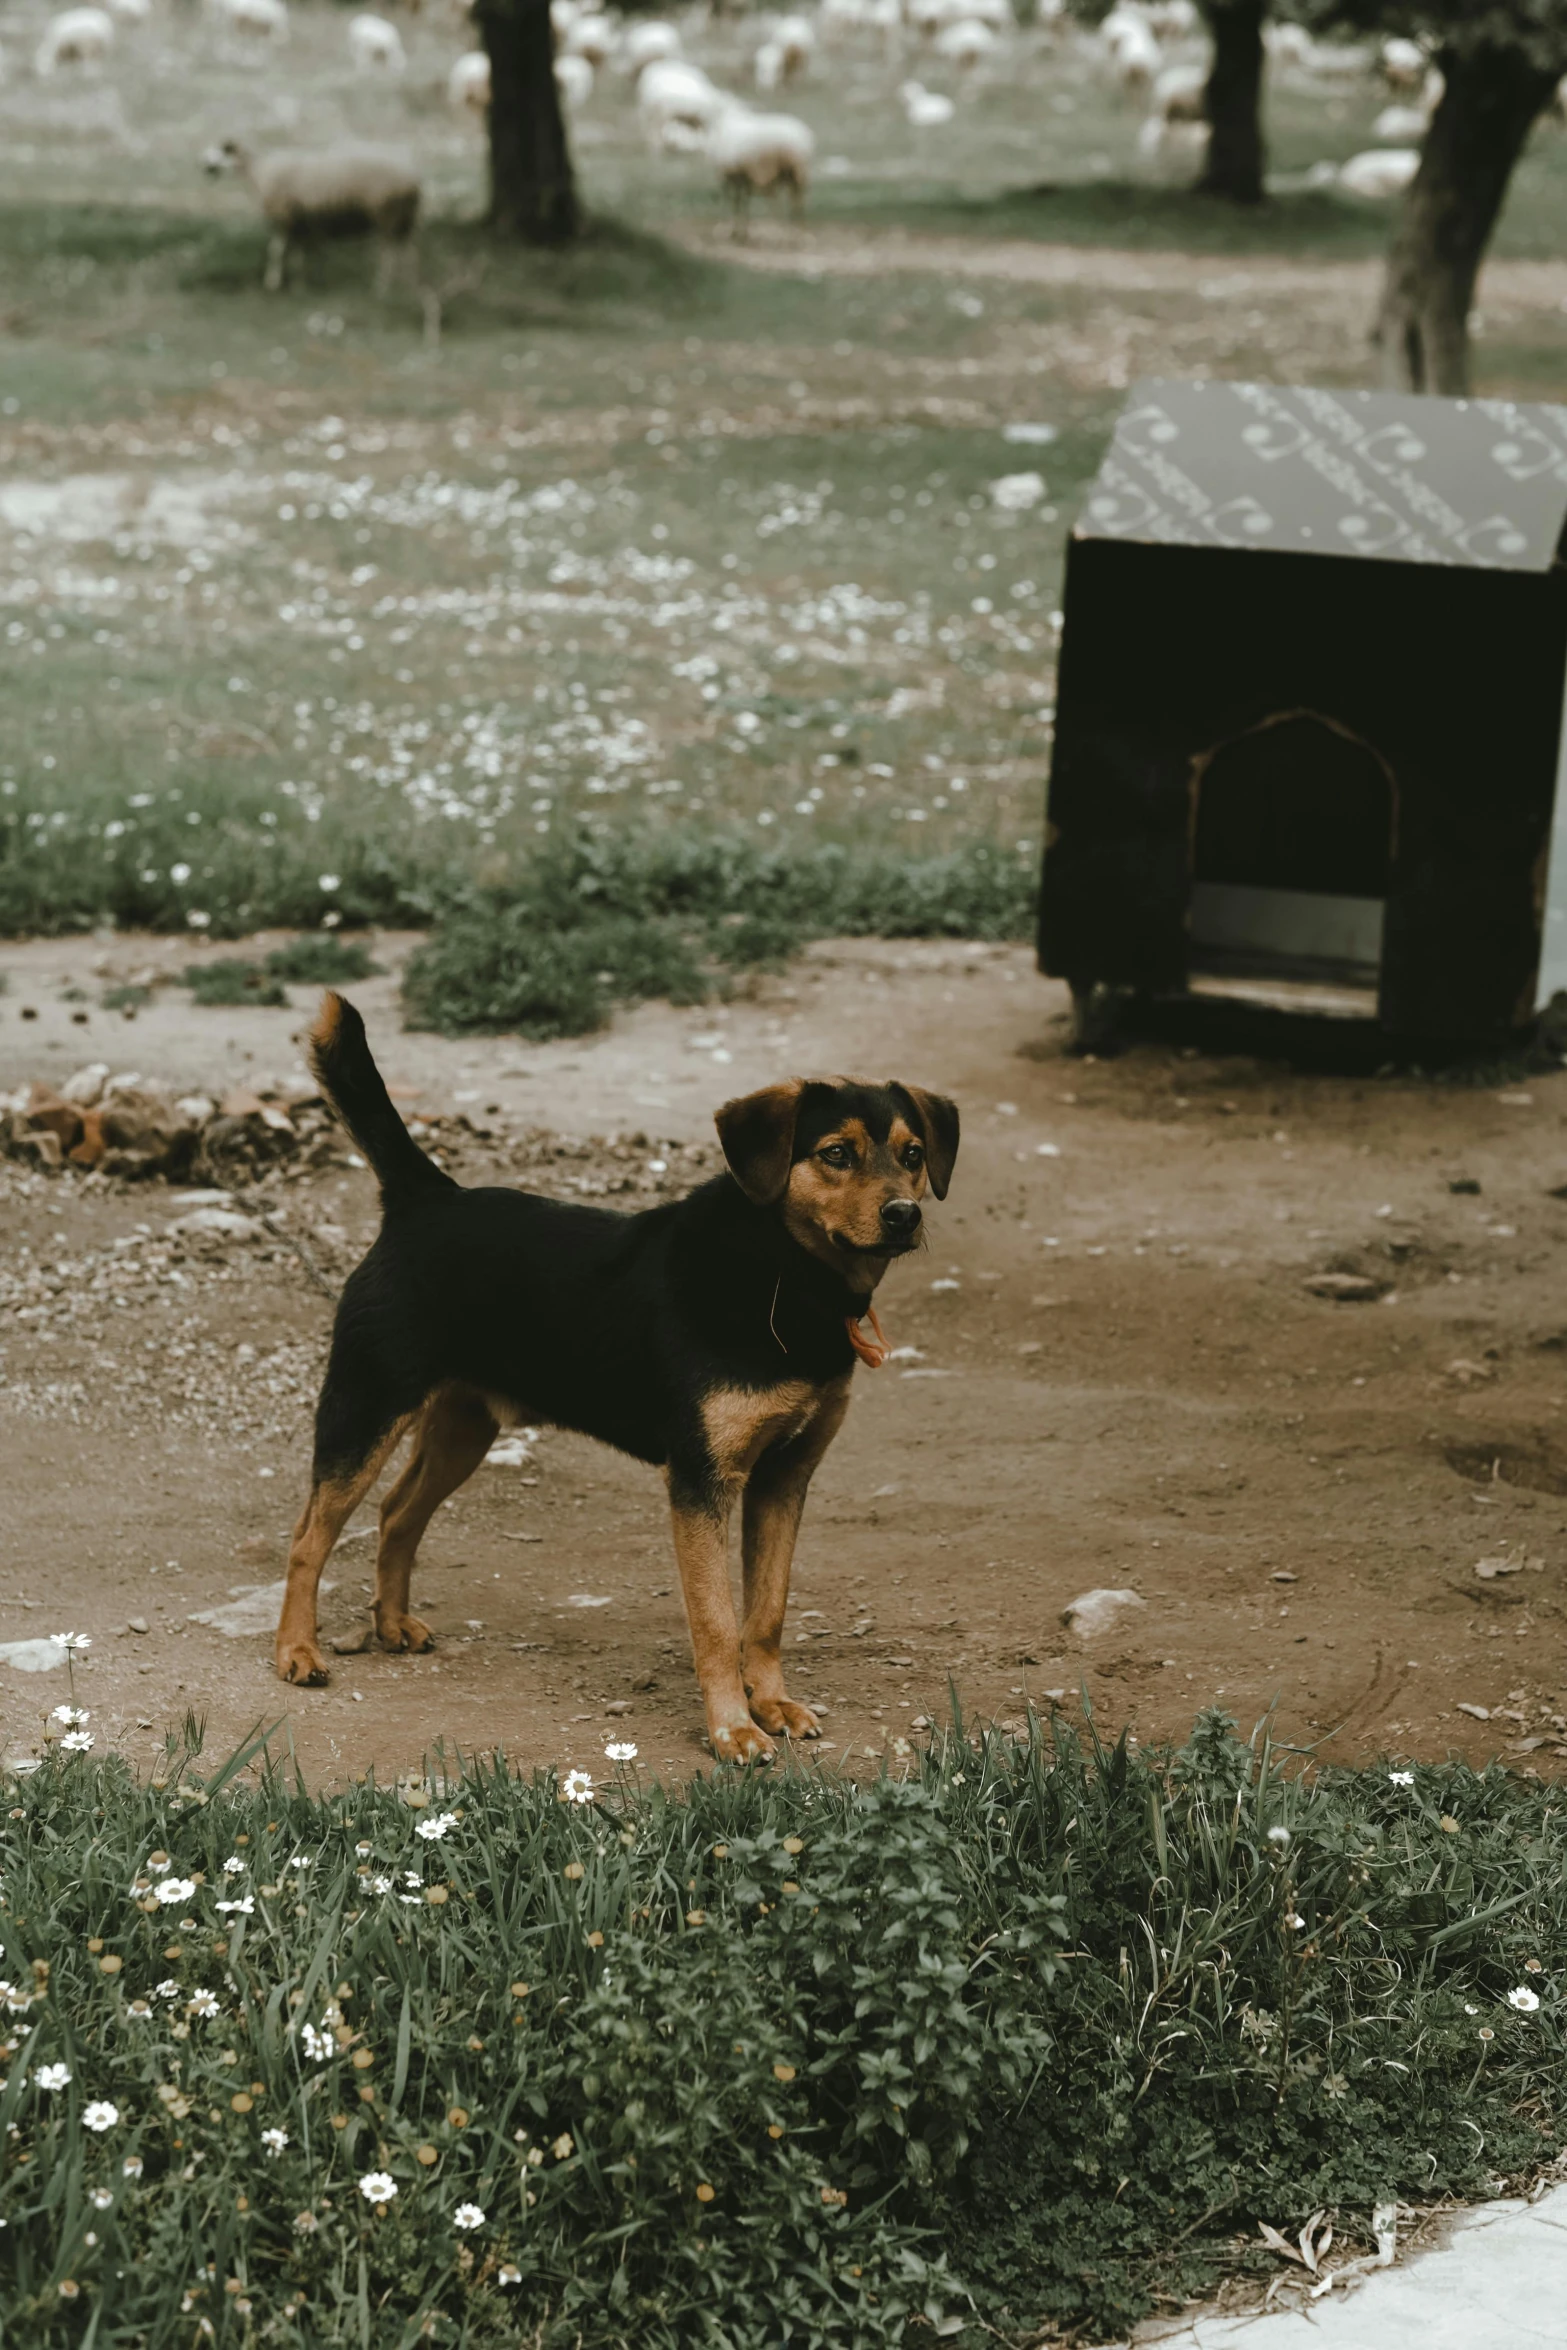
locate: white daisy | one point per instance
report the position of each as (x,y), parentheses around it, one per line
(51,2076)
(620,1750)
(318,2045)
(100,2198)
(72,1642)
(175,1889)
(73,1716)
(577,1787)
(1525,2000)
(233,1866)
(274,2140)
(467,2216)
(439,1824)
(132,2166)
(100,2115)
(76,1742)
(1402,1778)
(202,2003)
(378,2186)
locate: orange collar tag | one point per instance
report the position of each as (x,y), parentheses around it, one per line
(872,1352)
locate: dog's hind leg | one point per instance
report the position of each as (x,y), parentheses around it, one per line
(334,1497)
(453,1436)
(770,1521)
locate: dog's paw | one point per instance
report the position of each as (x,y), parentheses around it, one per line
(740,1742)
(784,1718)
(303,1663)
(401,1633)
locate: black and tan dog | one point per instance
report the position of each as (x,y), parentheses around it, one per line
(714,1337)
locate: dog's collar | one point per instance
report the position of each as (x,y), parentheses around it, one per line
(872,1351)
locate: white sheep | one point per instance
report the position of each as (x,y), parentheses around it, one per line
(255,23)
(591,36)
(1172,20)
(347,190)
(1338,61)
(573,79)
(1398,126)
(468,83)
(925,110)
(646,42)
(1288,44)
(1380,172)
(760,154)
(676,104)
(375,46)
(787,51)
(1179,103)
(82,37)
(1135,56)
(965,44)
(1403,65)
(563,15)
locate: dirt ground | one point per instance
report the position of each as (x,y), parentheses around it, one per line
(1119,1379)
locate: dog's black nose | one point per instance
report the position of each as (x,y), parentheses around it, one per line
(900,1218)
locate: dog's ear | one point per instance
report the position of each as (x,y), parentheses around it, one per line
(938,1120)
(757,1133)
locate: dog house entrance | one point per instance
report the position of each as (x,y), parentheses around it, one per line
(1292,845)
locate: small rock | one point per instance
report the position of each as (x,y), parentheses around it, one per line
(137,1624)
(621,1705)
(223,1223)
(1344,1288)
(1283,1575)
(1469,1374)
(1096,1611)
(1466,1186)
(1481,1713)
(86,1087)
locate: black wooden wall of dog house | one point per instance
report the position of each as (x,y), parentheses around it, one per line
(1310,706)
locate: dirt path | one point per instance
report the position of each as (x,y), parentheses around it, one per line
(1121,1381)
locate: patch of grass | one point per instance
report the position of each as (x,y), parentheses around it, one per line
(230,981)
(324,960)
(611,919)
(1038,2032)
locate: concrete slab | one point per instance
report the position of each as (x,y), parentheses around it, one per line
(1498,2282)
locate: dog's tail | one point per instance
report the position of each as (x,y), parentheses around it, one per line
(348,1076)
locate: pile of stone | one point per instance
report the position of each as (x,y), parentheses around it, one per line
(100,1123)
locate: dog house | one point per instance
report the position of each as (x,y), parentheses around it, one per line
(1309,721)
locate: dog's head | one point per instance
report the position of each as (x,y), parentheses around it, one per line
(847,1164)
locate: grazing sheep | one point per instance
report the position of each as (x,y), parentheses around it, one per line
(1172,20)
(563,15)
(925,110)
(1403,65)
(1338,61)
(592,37)
(647,42)
(1179,103)
(574,80)
(82,36)
(468,83)
(966,43)
(1135,56)
(786,52)
(1289,44)
(676,104)
(256,23)
(342,191)
(1380,171)
(376,46)
(1398,126)
(760,154)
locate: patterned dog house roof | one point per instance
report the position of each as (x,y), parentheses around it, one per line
(1478,482)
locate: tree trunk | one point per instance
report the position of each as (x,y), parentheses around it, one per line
(532,192)
(1232,102)
(1492,99)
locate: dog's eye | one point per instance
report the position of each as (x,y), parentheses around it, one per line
(913,1157)
(836,1154)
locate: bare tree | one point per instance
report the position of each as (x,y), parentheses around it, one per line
(1500,62)
(533,192)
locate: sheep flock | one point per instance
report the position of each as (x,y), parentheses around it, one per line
(741,95)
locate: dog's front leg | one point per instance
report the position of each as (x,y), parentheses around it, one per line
(770,1521)
(702,1550)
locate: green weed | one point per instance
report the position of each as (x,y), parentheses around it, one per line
(322,961)
(1038,2032)
(231,980)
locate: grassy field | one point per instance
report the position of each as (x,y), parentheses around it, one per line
(1036,2034)
(302,618)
